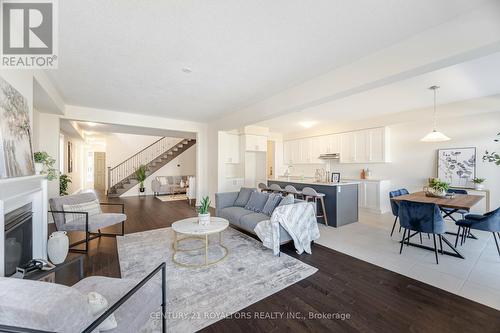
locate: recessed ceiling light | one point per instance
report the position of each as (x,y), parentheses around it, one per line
(187,70)
(308,124)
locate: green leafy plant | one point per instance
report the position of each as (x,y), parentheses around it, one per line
(205,206)
(478,180)
(438,185)
(48,164)
(492,157)
(64,180)
(140,174)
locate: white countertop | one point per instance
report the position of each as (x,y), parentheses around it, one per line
(311,181)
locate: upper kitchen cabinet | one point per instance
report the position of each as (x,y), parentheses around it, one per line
(365,146)
(330,144)
(255,143)
(230,147)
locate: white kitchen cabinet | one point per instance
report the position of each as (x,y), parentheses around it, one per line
(230,147)
(305,147)
(233,184)
(295,154)
(317,148)
(378,145)
(255,143)
(374,195)
(348,147)
(287,154)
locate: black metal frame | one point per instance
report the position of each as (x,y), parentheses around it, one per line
(91,235)
(114,307)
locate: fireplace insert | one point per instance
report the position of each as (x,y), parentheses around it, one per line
(18,238)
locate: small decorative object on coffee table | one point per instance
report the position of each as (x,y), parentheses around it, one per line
(204,212)
(58,247)
(194,230)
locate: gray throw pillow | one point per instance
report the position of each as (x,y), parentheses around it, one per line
(257,202)
(271,203)
(288,200)
(244,196)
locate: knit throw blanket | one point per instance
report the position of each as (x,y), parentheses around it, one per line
(298,219)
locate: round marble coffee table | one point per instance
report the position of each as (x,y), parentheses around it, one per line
(193,230)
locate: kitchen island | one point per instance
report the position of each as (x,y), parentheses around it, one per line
(341,199)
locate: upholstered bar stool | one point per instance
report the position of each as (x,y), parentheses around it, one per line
(310,194)
(275,188)
(263,187)
(292,190)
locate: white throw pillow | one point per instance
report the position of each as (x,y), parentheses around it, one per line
(91,207)
(99,304)
(163,180)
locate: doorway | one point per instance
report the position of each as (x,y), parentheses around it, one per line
(99,171)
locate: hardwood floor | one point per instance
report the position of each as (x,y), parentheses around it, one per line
(377,300)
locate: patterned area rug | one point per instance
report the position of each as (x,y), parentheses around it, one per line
(198,297)
(172,197)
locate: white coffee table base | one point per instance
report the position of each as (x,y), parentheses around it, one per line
(187,227)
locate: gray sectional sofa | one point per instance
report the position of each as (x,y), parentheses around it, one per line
(233,206)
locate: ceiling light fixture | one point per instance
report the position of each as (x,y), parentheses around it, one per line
(434,136)
(187,70)
(308,124)
(90,124)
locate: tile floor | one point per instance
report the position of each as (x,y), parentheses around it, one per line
(476,277)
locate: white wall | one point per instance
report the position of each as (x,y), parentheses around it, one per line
(120,147)
(182,165)
(414,161)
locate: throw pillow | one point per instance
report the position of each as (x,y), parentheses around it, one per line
(257,201)
(91,207)
(288,200)
(271,203)
(99,304)
(163,180)
(244,196)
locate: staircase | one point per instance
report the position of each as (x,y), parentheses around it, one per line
(122,177)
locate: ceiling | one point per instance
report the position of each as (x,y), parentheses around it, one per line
(129,55)
(99,129)
(472,80)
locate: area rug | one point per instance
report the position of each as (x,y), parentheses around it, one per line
(198,297)
(172,197)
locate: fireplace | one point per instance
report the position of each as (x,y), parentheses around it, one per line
(18,238)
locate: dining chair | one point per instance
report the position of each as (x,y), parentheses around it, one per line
(421,217)
(395,206)
(487,222)
(462,212)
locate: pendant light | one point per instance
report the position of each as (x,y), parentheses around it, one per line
(434,136)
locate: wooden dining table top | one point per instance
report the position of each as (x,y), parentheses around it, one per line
(459,201)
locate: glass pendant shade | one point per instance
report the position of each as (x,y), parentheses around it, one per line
(434,136)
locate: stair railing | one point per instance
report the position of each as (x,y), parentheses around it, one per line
(144,156)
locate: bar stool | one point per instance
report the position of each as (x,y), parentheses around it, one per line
(275,188)
(263,187)
(310,194)
(292,190)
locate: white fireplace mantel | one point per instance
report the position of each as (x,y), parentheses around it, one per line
(17,192)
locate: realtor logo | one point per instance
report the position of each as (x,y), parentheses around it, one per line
(29,34)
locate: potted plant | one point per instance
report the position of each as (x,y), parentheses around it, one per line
(204,212)
(140,174)
(44,164)
(478,183)
(437,188)
(64,180)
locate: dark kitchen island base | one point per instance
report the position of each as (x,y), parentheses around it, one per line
(341,199)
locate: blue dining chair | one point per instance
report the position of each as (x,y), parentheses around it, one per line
(421,217)
(460,211)
(487,222)
(395,205)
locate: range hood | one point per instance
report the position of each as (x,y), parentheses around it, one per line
(330,156)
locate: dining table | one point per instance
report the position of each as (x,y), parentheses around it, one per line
(448,205)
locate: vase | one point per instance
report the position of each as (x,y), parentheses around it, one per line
(38,168)
(58,247)
(204,219)
(478,186)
